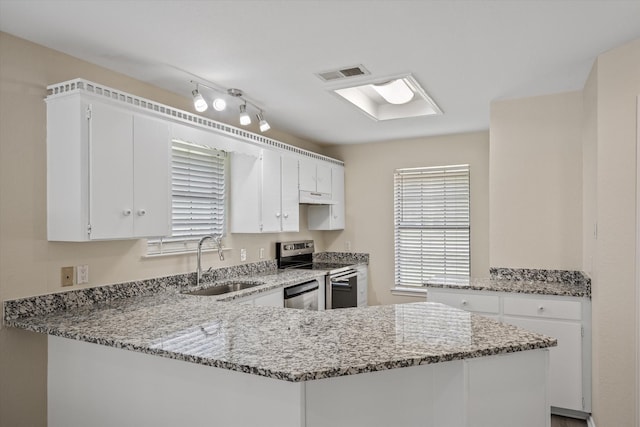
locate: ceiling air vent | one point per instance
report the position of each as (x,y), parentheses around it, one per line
(342,73)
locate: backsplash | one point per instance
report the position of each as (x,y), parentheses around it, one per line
(341,257)
(558,276)
(43,304)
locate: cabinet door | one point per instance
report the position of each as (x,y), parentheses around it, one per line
(323,177)
(110,173)
(271,299)
(151,178)
(245,193)
(290,194)
(271,192)
(362,285)
(307,174)
(337,195)
(565,360)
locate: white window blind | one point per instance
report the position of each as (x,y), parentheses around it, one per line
(197,197)
(431,213)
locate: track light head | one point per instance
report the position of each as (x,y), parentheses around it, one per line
(245,118)
(198,101)
(219,104)
(264,125)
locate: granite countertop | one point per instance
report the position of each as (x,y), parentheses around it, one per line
(286,344)
(540,282)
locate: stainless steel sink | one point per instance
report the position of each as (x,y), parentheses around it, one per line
(224,289)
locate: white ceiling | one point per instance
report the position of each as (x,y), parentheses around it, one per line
(464,53)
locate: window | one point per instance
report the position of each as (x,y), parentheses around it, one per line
(197,197)
(431,213)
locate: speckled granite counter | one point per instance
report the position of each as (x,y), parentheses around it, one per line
(541,282)
(287,344)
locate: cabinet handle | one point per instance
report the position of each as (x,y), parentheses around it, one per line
(540,308)
(464,302)
(142,212)
(126,212)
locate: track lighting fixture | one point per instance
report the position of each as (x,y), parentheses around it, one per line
(264,125)
(245,118)
(219,103)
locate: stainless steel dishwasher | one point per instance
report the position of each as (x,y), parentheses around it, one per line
(303,296)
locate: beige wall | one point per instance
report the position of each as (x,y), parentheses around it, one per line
(617,75)
(29,265)
(535,186)
(369,192)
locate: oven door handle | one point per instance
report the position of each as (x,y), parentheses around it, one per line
(344,277)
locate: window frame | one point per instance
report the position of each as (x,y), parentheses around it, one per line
(170,245)
(456,200)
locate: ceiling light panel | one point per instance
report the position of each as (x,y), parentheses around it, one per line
(391,98)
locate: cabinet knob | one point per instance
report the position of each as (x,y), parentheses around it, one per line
(142,212)
(464,302)
(277,214)
(286,215)
(126,212)
(540,308)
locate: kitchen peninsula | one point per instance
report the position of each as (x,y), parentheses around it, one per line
(146,354)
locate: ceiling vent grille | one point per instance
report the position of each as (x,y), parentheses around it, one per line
(343,73)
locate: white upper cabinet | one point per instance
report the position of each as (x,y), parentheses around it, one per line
(245,193)
(264,193)
(315,181)
(280,207)
(107,172)
(330,217)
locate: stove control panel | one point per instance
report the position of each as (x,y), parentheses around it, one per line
(288,249)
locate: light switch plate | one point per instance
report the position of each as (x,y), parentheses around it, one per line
(82,274)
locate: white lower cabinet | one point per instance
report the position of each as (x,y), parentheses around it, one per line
(362,285)
(270,299)
(266,299)
(568,319)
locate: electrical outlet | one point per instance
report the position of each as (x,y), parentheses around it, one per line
(67,276)
(261,253)
(82,274)
(243,254)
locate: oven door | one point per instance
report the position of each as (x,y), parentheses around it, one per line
(342,290)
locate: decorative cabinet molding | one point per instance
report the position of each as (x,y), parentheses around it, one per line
(109,175)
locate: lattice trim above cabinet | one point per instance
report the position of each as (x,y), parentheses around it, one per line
(84,86)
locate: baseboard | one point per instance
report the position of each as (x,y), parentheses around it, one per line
(590,422)
(570,413)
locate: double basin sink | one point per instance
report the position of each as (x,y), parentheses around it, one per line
(224,288)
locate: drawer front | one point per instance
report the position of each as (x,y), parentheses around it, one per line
(468,302)
(543,308)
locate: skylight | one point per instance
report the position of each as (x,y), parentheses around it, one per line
(392,98)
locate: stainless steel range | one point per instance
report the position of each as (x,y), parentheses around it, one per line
(341,282)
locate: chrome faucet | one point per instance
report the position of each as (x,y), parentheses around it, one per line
(218,242)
